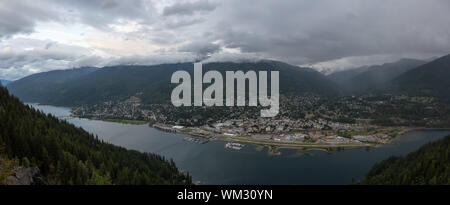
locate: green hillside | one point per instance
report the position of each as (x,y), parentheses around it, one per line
(69,155)
(429,79)
(34,86)
(428,165)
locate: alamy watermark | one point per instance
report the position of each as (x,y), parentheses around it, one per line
(213,95)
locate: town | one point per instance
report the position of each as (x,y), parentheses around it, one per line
(307,121)
(213,95)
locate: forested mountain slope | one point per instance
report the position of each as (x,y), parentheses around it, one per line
(429,79)
(428,165)
(152,83)
(66,154)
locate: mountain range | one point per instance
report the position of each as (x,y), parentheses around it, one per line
(375,77)
(150,83)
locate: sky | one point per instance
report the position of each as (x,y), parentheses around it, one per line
(328,35)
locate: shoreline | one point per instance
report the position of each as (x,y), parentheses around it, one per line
(273,146)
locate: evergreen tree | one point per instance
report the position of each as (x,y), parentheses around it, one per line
(66,154)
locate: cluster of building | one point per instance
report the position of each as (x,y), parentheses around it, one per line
(299,120)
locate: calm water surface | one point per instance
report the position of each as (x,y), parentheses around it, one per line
(211,163)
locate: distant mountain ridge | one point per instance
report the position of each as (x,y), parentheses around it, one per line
(432,78)
(341,77)
(150,83)
(377,77)
(35,85)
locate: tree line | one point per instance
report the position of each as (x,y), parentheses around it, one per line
(69,155)
(429,165)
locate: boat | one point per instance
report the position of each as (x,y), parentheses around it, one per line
(234,145)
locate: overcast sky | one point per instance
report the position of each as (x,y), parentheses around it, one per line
(44,35)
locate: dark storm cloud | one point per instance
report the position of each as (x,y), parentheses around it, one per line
(189,8)
(110,4)
(44,51)
(325,32)
(299,32)
(101,13)
(200,47)
(17,61)
(182,22)
(21,17)
(313,31)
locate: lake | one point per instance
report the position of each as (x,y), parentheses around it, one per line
(211,163)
